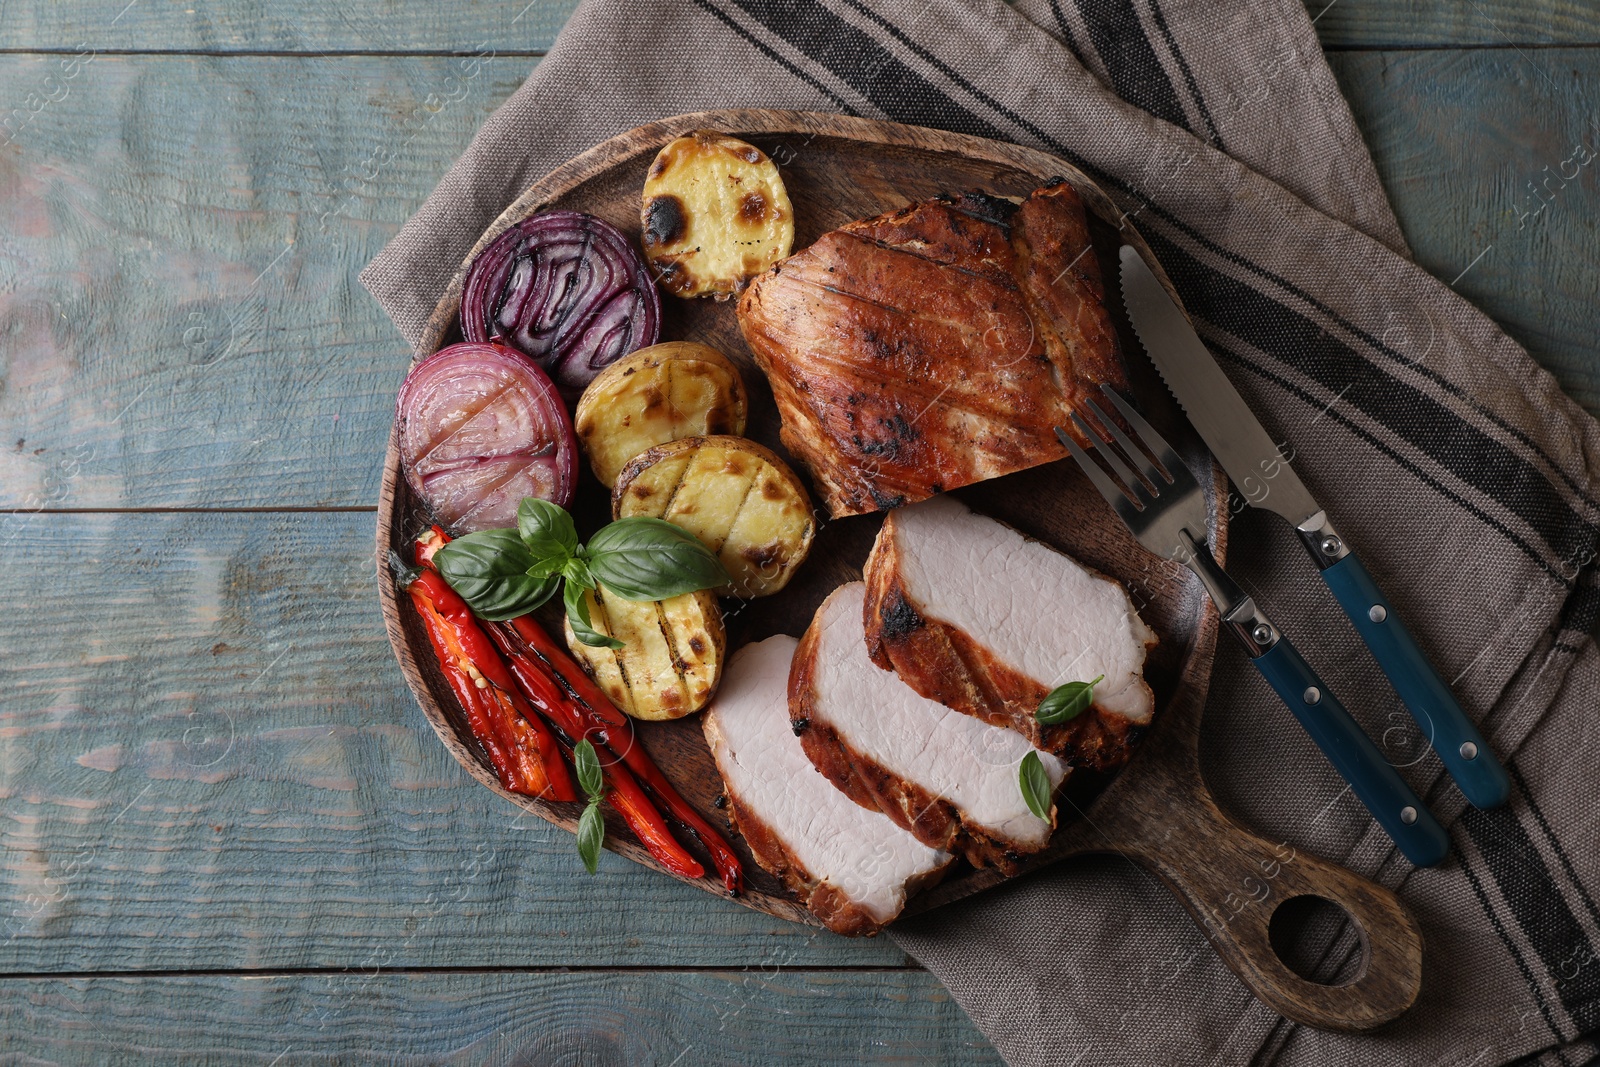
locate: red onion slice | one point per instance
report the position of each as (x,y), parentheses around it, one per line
(568,290)
(481,427)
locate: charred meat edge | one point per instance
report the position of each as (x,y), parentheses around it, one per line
(823,899)
(929,818)
(946,664)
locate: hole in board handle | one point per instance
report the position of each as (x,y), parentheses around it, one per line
(1312,935)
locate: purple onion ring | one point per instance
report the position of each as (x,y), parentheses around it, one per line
(481,427)
(566,289)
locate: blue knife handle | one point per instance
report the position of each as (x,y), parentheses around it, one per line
(1352,753)
(1470,761)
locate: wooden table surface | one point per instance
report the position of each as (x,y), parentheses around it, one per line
(228,832)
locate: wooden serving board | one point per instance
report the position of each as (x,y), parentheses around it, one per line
(1157,810)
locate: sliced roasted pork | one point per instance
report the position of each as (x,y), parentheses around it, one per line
(969,612)
(935,346)
(851,866)
(949,778)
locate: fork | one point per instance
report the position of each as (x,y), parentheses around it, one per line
(1166,511)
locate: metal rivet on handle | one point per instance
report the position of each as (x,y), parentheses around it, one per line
(1377,613)
(1312,695)
(1331,545)
(1262,633)
(1469,750)
(1408,815)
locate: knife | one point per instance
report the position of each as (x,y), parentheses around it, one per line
(1266,480)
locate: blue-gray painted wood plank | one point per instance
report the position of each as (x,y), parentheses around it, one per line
(742,1019)
(209,759)
(521,25)
(184,327)
(247,26)
(1452,24)
(179,244)
(1472,147)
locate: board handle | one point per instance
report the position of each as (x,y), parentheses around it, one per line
(1232,881)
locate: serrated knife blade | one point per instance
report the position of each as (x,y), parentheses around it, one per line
(1260,471)
(1253,460)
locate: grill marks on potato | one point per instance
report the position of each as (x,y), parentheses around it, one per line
(670,480)
(714,215)
(752,207)
(665,221)
(658,394)
(710,494)
(738,498)
(671,661)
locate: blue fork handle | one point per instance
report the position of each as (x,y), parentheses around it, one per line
(1470,761)
(1352,753)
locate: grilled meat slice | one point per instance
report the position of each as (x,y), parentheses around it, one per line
(971,613)
(935,346)
(949,778)
(851,866)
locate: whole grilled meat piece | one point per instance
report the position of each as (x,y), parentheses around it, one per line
(935,346)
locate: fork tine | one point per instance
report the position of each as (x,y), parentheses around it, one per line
(1136,489)
(1136,455)
(1108,488)
(1177,471)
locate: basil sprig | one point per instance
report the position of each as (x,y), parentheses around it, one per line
(1064,703)
(1035,783)
(591,824)
(505,573)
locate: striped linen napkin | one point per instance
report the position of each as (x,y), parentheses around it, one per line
(1463,475)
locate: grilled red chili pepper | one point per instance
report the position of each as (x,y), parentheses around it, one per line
(430,543)
(646,822)
(464,627)
(528,759)
(554,682)
(468,695)
(626,796)
(617,729)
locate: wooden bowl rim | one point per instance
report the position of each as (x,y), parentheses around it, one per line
(648,138)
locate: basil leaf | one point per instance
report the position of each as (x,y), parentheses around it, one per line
(547,567)
(490,571)
(546,529)
(587,765)
(576,571)
(1035,785)
(1066,702)
(578,616)
(591,834)
(651,559)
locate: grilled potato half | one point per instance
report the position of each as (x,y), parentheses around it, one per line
(658,394)
(715,215)
(672,657)
(738,498)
